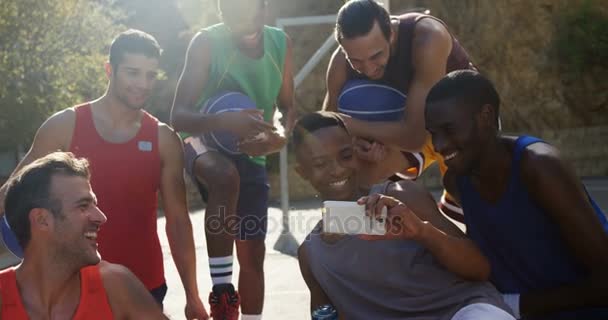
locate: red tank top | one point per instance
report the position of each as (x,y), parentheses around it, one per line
(93,303)
(125,178)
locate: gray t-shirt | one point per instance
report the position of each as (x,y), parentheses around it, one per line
(391,279)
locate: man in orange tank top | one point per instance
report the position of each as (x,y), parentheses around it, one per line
(133,157)
(53,212)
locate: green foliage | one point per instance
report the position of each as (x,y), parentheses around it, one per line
(51,57)
(582,38)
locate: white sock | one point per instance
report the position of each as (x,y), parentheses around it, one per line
(220,269)
(251,317)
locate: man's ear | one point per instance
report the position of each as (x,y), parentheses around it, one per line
(40,218)
(108,68)
(486,116)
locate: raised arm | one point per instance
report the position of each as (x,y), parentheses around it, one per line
(55,134)
(553,185)
(431,47)
(335,79)
(178,226)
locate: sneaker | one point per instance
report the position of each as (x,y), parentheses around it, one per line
(224,302)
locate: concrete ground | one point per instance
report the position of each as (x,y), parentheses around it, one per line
(286,293)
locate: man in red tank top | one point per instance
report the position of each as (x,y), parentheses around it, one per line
(133,157)
(409,53)
(53,212)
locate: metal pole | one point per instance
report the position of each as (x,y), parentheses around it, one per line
(284,189)
(300,21)
(314,60)
(286,243)
(283,179)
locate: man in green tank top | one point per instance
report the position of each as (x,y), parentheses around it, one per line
(243,55)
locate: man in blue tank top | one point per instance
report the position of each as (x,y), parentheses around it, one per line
(437,274)
(523,205)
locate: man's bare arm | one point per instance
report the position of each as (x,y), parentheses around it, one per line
(190,86)
(128,297)
(55,134)
(553,185)
(178,224)
(335,79)
(432,44)
(194,77)
(445,240)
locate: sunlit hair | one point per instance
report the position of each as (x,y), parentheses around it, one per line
(356,18)
(465,88)
(313,122)
(29,188)
(134,42)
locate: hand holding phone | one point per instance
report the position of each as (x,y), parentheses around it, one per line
(400,223)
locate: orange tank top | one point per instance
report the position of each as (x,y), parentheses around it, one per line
(93,305)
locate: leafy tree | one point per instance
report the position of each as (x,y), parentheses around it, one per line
(51,57)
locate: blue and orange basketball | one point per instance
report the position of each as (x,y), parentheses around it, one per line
(220,103)
(371,101)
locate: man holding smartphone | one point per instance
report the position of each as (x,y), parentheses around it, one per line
(386,279)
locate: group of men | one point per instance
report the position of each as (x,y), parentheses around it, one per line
(535,245)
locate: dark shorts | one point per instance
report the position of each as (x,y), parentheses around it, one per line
(159,294)
(251,221)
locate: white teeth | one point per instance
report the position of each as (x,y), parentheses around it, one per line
(91,235)
(451,156)
(338,183)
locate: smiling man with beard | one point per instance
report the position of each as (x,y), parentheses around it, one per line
(433,273)
(54,213)
(133,156)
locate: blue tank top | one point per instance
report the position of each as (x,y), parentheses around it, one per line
(522,243)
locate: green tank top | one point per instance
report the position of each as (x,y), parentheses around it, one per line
(231,70)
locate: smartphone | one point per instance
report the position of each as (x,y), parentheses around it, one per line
(348,217)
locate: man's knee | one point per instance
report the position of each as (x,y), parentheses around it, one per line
(217,173)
